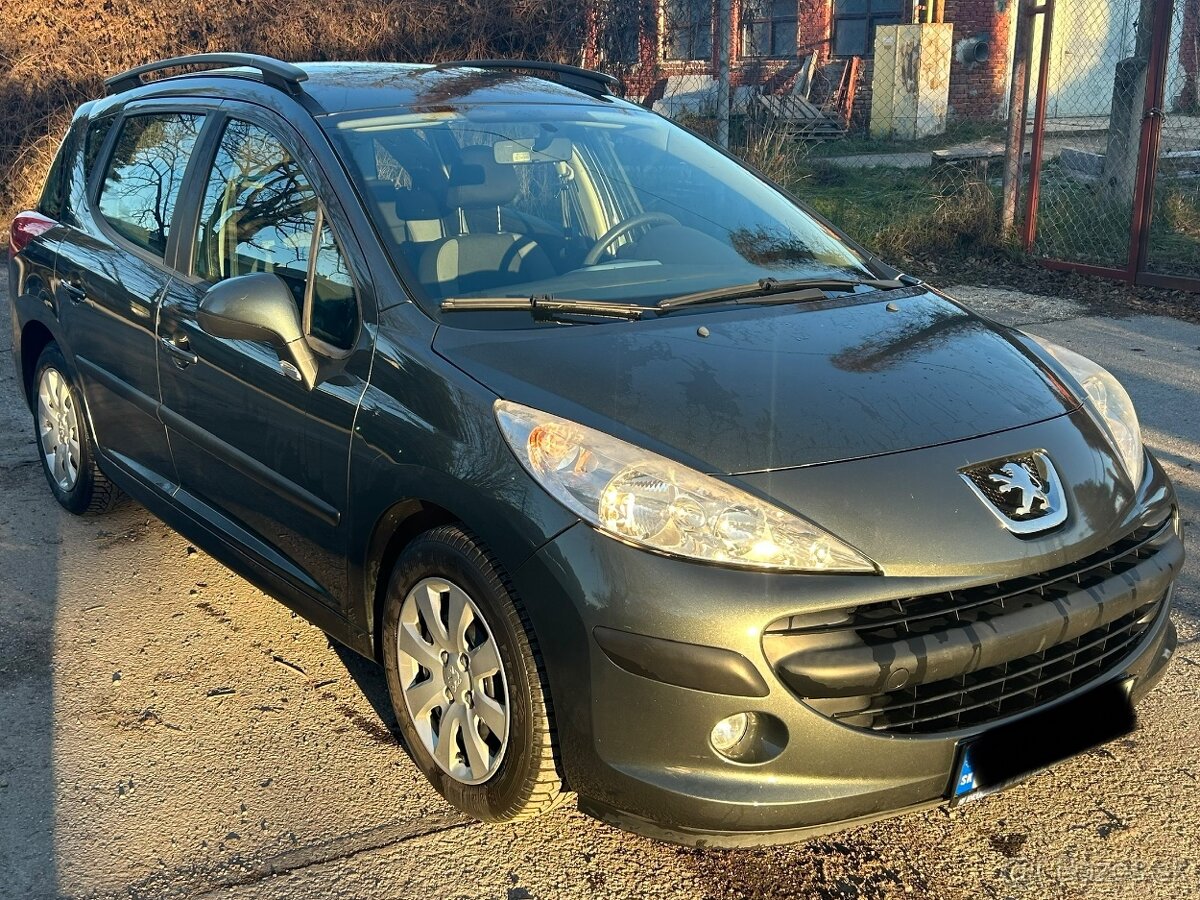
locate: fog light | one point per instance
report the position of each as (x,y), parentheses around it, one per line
(729,732)
(749,738)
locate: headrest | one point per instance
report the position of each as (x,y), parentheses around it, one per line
(414,204)
(477,181)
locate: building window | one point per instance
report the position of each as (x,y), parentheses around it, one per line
(688,29)
(769,28)
(854,23)
(619,25)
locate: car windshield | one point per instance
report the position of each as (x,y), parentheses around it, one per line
(564,201)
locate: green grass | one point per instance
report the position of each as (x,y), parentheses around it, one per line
(904,213)
(901,214)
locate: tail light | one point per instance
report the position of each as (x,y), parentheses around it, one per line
(25,227)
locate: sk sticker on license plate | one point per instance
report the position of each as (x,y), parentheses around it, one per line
(966,783)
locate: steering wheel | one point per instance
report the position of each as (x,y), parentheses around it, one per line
(624,227)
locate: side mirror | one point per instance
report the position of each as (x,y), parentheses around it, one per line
(261,308)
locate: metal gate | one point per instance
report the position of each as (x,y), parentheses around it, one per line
(1116,190)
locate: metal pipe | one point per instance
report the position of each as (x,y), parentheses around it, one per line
(723,38)
(1029,227)
(1151,137)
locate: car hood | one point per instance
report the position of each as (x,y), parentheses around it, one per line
(756,388)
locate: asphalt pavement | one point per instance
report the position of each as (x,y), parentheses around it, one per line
(166,730)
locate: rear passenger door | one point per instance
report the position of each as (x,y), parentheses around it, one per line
(113,269)
(261,455)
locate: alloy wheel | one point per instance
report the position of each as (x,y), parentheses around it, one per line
(58,428)
(453,680)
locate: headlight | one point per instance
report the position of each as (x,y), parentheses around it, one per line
(1109,404)
(650,501)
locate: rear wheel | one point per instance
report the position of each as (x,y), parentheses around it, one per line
(67,454)
(466,680)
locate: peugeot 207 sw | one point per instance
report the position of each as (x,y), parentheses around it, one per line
(640,480)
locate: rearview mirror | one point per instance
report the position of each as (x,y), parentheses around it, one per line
(259,307)
(523,152)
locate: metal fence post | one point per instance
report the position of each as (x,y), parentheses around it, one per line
(1148,151)
(1018,103)
(724,27)
(1029,227)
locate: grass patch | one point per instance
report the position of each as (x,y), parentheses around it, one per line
(1175,228)
(904,214)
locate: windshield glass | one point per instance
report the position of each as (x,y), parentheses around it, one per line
(573,202)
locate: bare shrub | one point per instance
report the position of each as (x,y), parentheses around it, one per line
(55,54)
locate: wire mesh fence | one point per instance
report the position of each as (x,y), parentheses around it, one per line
(1095,80)
(1120,188)
(887,116)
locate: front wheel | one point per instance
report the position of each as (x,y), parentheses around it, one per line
(64,443)
(466,680)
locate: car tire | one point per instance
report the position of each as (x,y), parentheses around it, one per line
(64,441)
(501,777)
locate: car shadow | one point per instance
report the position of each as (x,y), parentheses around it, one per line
(29,591)
(370,679)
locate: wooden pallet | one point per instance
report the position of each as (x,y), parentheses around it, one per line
(828,116)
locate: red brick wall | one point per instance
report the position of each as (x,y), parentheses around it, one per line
(816,17)
(978,90)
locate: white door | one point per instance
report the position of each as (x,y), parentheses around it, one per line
(1090,38)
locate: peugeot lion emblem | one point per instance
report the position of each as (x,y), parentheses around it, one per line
(1022,491)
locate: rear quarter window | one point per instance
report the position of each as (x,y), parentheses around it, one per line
(144,175)
(54,191)
(97,131)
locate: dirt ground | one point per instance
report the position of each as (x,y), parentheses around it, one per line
(166,730)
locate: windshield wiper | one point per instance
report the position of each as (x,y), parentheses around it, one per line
(546,307)
(812,288)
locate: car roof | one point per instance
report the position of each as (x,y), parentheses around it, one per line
(336,87)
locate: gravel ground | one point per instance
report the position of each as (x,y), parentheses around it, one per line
(167,730)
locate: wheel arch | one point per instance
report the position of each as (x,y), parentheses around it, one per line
(35,337)
(399,525)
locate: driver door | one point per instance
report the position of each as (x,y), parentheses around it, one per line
(261,455)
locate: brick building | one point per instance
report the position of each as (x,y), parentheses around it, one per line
(657,44)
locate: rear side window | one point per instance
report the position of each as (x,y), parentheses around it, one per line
(144,174)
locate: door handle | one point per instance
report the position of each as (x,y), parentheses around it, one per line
(76,293)
(180,349)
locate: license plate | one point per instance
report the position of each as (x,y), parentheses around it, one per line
(1010,753)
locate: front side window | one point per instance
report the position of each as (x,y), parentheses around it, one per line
(145,172)
(688,29)
(855,21)
(769,28)
(259,213)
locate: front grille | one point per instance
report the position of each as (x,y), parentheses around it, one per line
(995,691)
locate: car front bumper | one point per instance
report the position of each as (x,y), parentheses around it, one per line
(635,737)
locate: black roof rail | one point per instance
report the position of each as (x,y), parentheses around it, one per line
(584,80)
(275,72)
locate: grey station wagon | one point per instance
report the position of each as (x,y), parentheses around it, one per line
(642,482)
